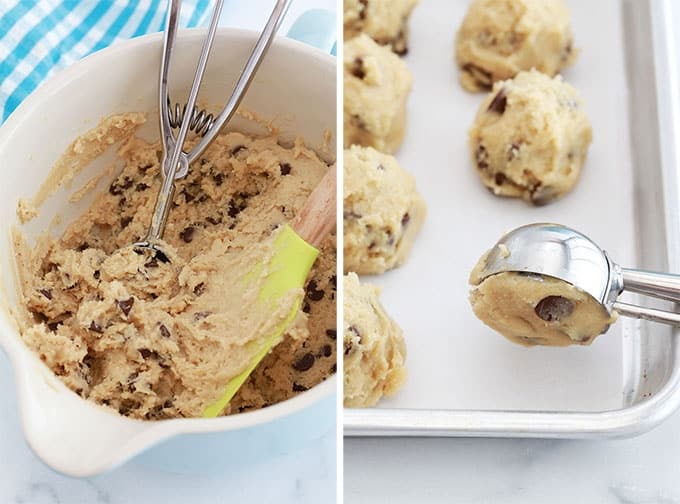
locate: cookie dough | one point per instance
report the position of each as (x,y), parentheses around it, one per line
(530,138)
(498,38)
(532,309)
(385,21)
(376,86)
(158,337)
(383,211)
(374,347)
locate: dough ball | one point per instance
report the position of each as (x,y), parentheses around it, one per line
(374,347)
(498,38)
(532,309)
(385,21)
(530,138)
(376,86)
(383,211)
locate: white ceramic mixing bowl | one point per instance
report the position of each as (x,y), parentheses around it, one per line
(296,86)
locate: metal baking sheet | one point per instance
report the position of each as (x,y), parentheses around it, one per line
(466,380)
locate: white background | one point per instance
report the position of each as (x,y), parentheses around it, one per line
(306,476)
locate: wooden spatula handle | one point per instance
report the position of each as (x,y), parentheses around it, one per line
(317,217)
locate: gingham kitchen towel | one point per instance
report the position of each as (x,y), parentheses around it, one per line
(40,36)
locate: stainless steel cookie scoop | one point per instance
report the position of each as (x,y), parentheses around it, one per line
(563,253)
(175,162)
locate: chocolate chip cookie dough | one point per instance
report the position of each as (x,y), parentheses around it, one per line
(156,337)
(385,21)
(376,86)
(498,38)
(530,138)
(531,309)
(374,347)
(382,211)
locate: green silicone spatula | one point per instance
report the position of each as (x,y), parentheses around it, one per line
(294,253)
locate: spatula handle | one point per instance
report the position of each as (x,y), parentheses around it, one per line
(317,217)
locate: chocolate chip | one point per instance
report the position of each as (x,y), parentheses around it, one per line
(237,149)
(299,388)
(554,308)
(97,274)
(313,293)
(357,121)
(348,347)
(499,103)
(188,197)
(334,368)
(482,157)
(305,362)
(399,43)
(52,326)
(500,178)
(542,195)
(125,222)
(83,246)
(333,280)
(481,77)
(199,289)
(327,350)
(132,376)
(116,188)
(306,307)
(165,332)
(141,187)
(146,353)
(122,201)
(357,69)
(355,330)
(218,178)
(145,168)
(405,220)
(46,292)
(187,234)
(332,333)
(168,404)
(94,327)
(233,210)
(214,221)
(126,305)
(161,257)
(285,168)
(201,315)
(152,263)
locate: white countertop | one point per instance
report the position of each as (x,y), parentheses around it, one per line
(306,476)
(643,470)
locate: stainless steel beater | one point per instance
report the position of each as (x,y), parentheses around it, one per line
(175,161)
(561,252)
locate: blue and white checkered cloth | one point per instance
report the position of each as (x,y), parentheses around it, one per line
(40,36)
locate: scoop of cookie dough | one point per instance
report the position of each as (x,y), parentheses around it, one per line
(498,38)
(383,211)
(385,21)
(530,138)
(376,86)
(374,347)
(532,309)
